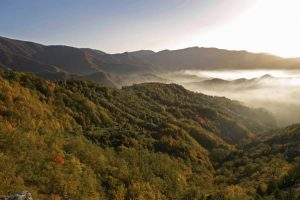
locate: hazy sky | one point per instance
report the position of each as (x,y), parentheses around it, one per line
(126,25)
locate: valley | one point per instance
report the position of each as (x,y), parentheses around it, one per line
(83,124)
(149,100)
(83,140)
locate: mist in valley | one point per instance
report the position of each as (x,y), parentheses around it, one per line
(278,91)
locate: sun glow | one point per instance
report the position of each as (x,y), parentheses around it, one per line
(268,26)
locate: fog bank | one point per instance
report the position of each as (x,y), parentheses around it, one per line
(278,91)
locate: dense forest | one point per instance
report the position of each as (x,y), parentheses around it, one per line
(81,140)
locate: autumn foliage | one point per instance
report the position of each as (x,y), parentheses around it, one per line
(59,160)
(82,140)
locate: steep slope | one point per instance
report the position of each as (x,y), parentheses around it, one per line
(69,59)
(268,166)
(22,63)
(85,141)
(22,48)
(229,119)
(72,60)
(57,62)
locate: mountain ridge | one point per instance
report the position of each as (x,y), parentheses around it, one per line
(37,58)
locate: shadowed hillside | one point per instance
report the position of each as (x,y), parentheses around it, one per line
(54,60)
(213,58)
(113,69)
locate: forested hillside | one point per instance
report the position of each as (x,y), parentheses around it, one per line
(82,140)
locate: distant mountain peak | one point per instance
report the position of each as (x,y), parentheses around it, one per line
(267,76)
(37,58)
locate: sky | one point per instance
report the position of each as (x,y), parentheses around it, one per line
(115,26)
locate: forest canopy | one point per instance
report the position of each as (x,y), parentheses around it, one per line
(81,140)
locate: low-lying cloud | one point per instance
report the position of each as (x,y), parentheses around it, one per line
(276,91)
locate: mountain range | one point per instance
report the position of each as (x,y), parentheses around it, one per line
(237,84)
(63,135)
(64,62)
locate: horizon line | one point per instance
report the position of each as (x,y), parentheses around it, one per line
(107,52)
